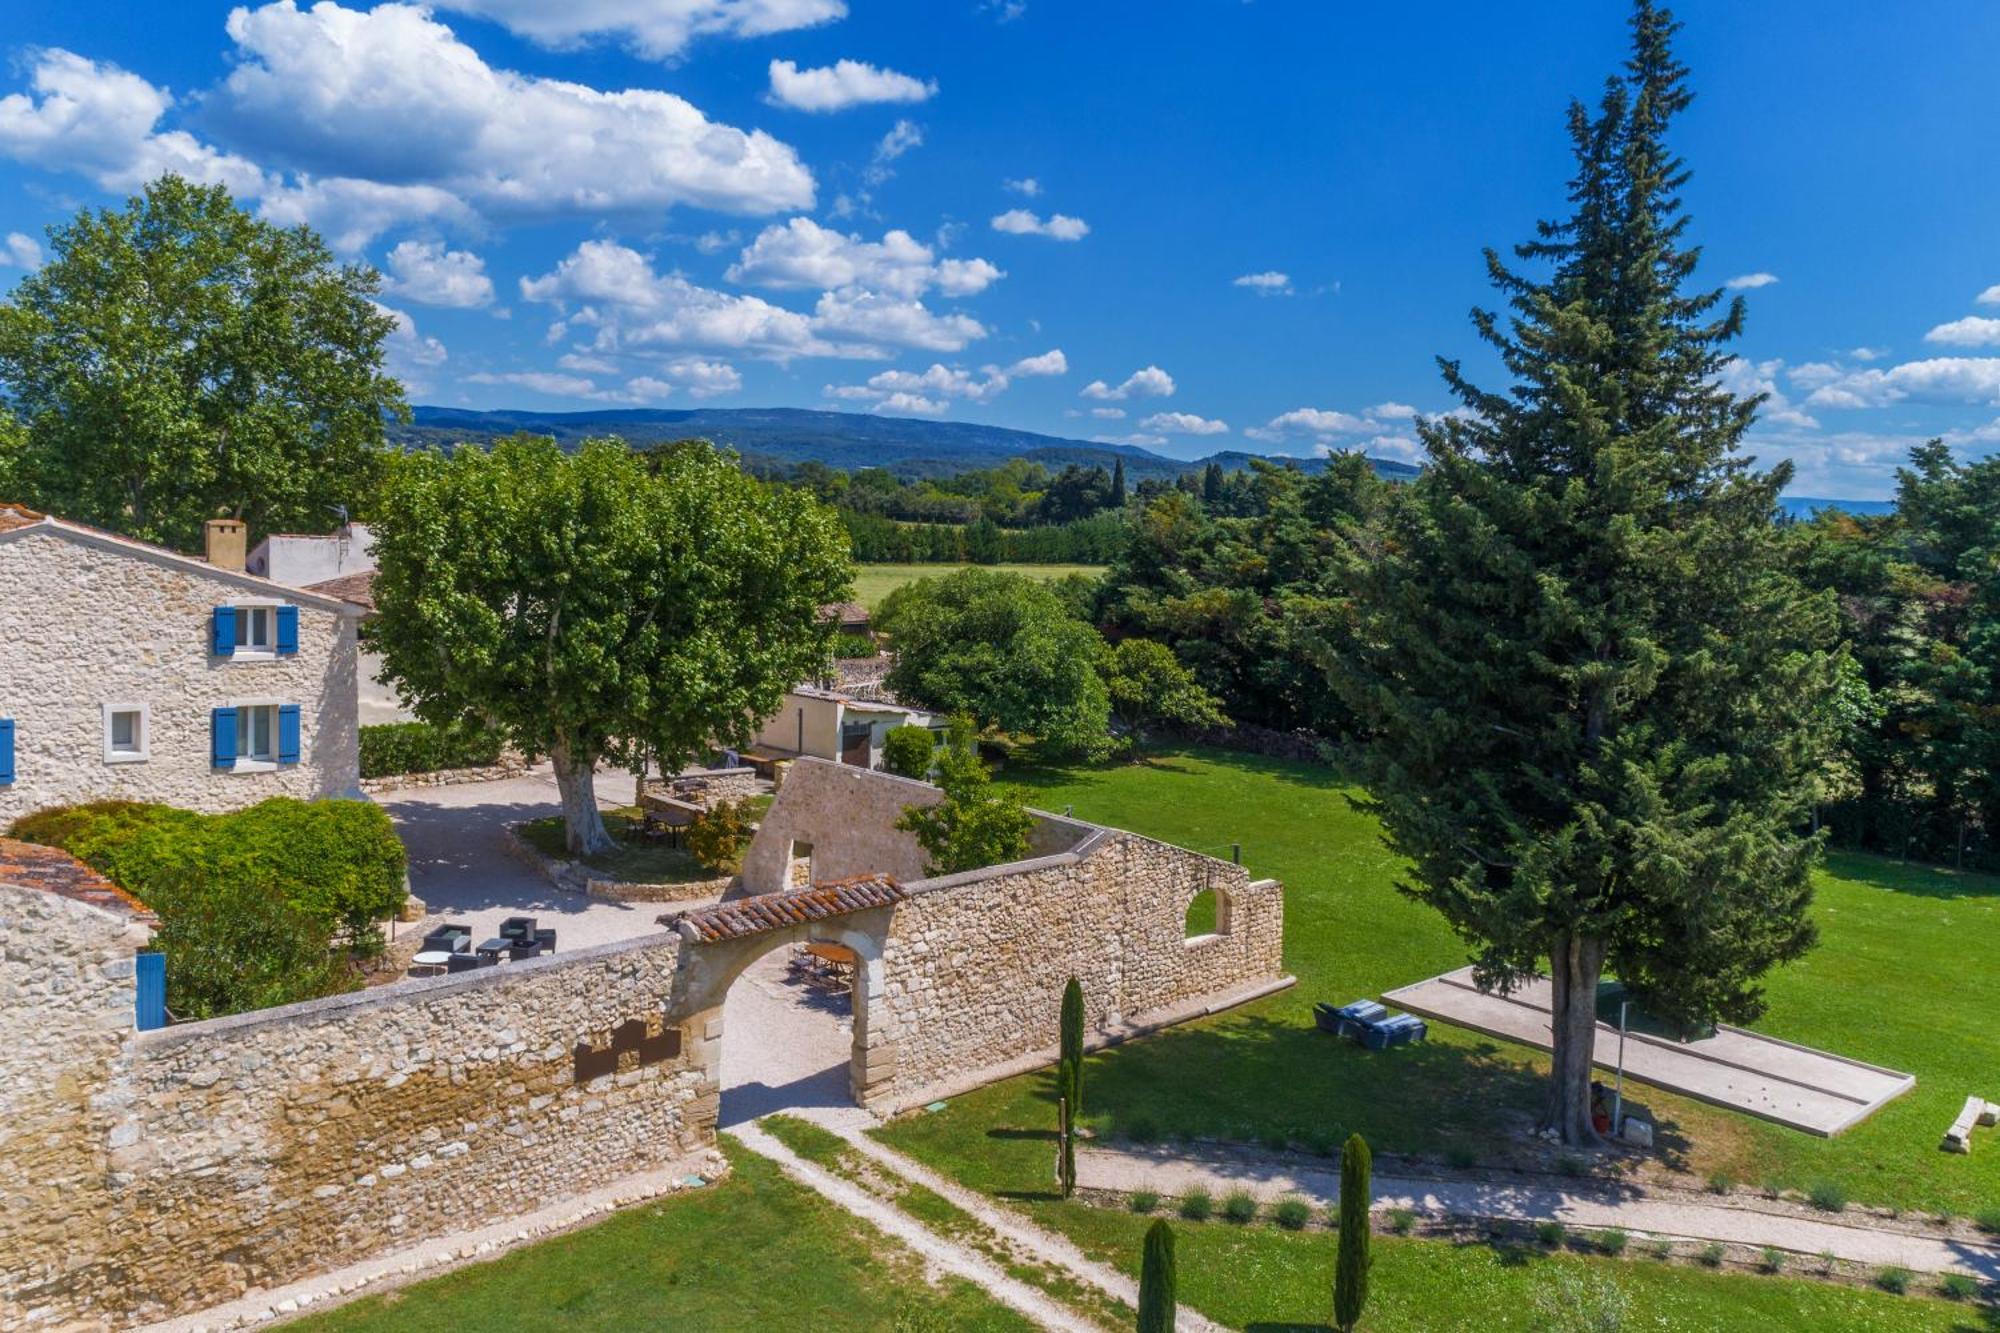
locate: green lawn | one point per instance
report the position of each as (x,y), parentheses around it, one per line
(874,582)
(756,1251)
(1257,1277)
(1902,977)
(634,861)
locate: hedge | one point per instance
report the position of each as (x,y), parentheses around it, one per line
(418,747)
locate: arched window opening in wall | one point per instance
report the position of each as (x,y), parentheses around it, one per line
(1208,914)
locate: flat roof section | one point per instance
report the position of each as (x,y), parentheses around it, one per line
(1815,1091)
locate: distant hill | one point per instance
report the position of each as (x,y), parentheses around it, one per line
(843,440)
(1805,506)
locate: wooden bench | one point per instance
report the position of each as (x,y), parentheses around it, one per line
(1978,1111)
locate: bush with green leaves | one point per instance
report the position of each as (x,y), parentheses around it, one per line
(1711,1255)
(395,748)
(979,822)
(717,838)
(1291,1214)
(1958,1287)
(1828,1197)
(1197,1205)
(849,645)
(233,943)
(1239,1206)
(1895,1281)
(1988,1220)
(1550,1233)
(1773,1260)
(1613,1241)
(907,751)
(1143,1201)
(338,863)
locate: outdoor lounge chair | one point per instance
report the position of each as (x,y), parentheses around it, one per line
(528,949)
(452,937)
(518,928)
(547,939)
(465,962)
(1402,1030)
(1348,1020)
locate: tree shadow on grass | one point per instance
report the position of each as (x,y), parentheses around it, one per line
(1911,877)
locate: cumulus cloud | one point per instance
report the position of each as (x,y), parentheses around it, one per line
(1141,439)
(1326,426)
(1051,362)
(409,353)
(1183,423)
(1108,413)
(426,272)
(1946,379)
(843,84)
(1057,226)
(1026,185)
(24,251)
(937,385)
(1991,296)
(1747,282)
(612,289)
(1748,378)
(1151,382)
(1972,331)
(1268,283)
(656,29)
(803,254)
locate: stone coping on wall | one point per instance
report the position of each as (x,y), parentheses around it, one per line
(414,989)
(1137,1025)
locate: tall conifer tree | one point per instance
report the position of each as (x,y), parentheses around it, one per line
(1596,696)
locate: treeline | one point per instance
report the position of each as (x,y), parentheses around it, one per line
(1097,540)
(1240,576)
(1018,494)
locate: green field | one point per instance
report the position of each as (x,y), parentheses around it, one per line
(1902,977)
(874,582)
(756,1251)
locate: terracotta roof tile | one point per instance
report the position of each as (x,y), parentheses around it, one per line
(356,588)
(30,865)
(844,613)
(14,516)
(775,911)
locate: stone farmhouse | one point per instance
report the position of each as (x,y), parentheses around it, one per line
(158,1173)
(819,723)
(132,671)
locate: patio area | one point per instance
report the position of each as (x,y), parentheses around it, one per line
(1796,1086)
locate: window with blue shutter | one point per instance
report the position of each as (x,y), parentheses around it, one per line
(222,737)
(288,629)
(222,638)
(288,733)
(6,751)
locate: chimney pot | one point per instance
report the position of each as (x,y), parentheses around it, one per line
(228,542)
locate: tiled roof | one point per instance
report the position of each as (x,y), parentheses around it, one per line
(844,613)
(775,911)
(18,516)
(356,588)
(30,865)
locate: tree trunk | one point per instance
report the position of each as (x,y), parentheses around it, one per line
(576,779)
(1575,963)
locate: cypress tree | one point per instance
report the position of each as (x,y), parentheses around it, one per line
(1065,1136)
(1069,1068)
(1117,483)
(1156,1280)
(1596,696)
(1350,1270)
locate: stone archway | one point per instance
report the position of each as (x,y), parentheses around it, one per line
(722,942)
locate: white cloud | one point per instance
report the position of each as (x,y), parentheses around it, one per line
(937,386)
(1401,448)
(803,254)
(715,242)
(409,353)
(843,84)
(392,97)
(1960,379)
(1392,412)
(1139,438)
(426,272)
(615,290)
(1868,353)
(911,404)
(587,365)
(1108,413)
(1183,423)
(541,381)
(1051,362)
(703,379)
(1268,283)
(1746,282)
(1057,227)
(655,29)
(1027,186)
(1317,420)
(1325,424)
(1991,296)
(1972,331)
(21,251)
(1747,378)
(1151,382)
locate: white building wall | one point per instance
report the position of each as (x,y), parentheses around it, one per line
(806,724)
(300,559)
(82,626)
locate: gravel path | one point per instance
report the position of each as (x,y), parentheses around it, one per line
(936,1252)
(1582,1205)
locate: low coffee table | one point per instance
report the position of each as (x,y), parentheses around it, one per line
(495,948)
(436,959)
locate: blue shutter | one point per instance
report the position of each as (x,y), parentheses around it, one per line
(222,737)
(223,639)
(288,733)
(6,751)
(288,629)
(152,997)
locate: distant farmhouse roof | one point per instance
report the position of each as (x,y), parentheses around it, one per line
(844,613)
(18,520)
(356,588)
(51,870)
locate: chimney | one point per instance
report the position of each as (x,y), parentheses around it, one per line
(227,539)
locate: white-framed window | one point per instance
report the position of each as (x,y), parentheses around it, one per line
(256,630)
(126,733)
(256,734)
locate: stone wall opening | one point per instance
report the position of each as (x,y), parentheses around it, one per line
(1207,914)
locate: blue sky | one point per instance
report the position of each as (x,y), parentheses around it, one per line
(1197,225)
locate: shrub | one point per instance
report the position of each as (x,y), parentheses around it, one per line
(1958,1287)
(1773,1260)
(1292,1214)
(233,943)
(1987,1220)
(1895,1281)
(851,645)
(1613,1241)
(1352,1260)
(1461,1157)
(1662,1248)
(1550,1233)
(716,839)
(1196,1206)
(1402,1221)
(1827,1262)
(1239,1207)
(418,747)
(1142,1201)
(1828,1197)
(1711,1255)
(907,750)
(1721,1182)
(1156,1280)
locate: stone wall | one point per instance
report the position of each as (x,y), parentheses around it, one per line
(511,765)
(89,625)
(251,1150)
